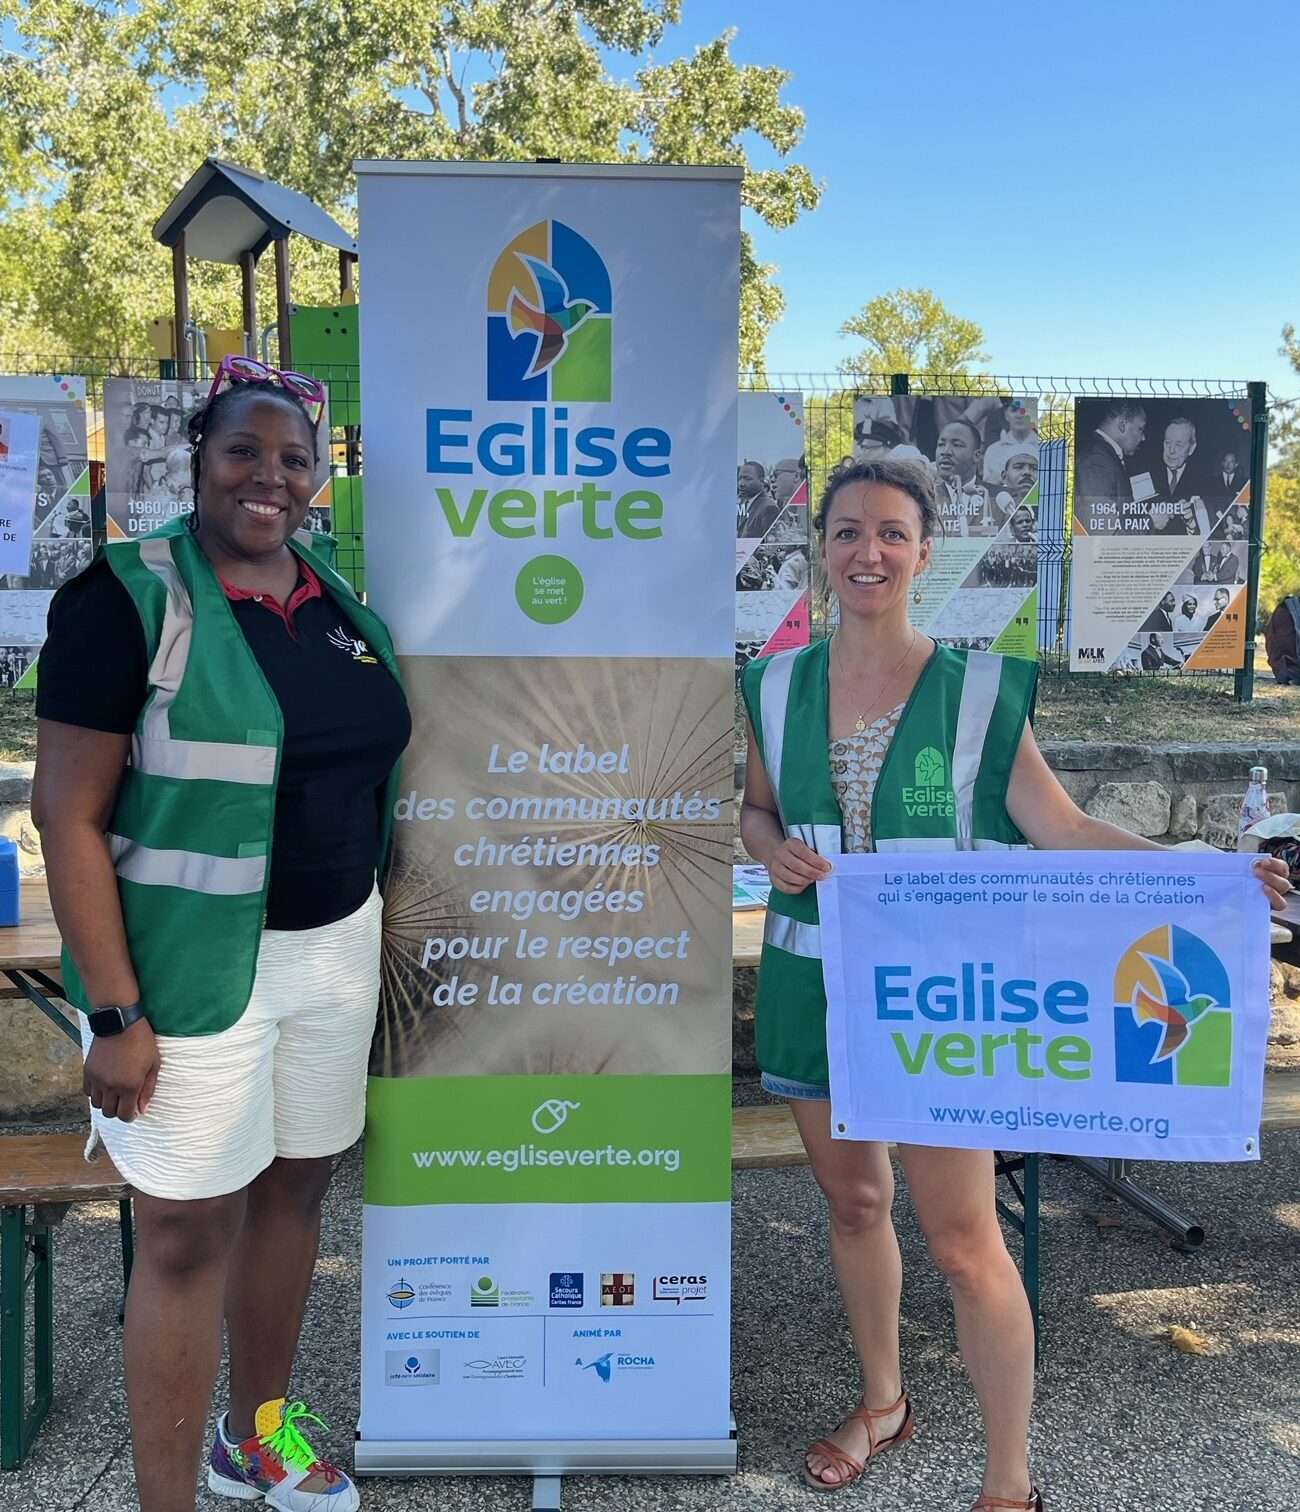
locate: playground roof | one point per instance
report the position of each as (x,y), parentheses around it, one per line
(226,211)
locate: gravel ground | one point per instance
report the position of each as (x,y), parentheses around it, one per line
(1123,1423)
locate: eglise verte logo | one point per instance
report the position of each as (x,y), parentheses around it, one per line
(549,319)
(1173,1018)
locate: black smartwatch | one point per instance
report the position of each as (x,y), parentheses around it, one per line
(112,1020)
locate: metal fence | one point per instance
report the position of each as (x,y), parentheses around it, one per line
(828,401)
(343,382)
(828,426)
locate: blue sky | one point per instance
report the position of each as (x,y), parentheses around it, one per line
(1110,189)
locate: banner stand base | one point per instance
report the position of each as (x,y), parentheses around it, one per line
(547,1491)
(546,1458)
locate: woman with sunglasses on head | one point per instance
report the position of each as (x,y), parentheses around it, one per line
(836,732)
(220,722)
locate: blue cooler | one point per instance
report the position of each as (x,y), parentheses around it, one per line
(8,882)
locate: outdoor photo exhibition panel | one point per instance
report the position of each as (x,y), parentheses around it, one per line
(547,1223)
(147,455)
(61,544)
(773,563)
(980,591)
(1161,543)
(20,449)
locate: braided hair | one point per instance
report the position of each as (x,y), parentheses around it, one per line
(213,415)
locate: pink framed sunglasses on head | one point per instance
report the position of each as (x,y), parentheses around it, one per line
(236,369)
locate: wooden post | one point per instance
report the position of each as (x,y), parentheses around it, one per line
(346,260)
(282,301)
(247,271)
(180,306)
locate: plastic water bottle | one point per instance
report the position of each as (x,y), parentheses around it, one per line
(1254,806)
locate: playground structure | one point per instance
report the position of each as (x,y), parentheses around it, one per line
(232,215)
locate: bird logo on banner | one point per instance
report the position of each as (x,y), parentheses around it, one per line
(555,322)
(1179,1009)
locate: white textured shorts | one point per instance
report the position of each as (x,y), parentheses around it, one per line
(289,1079)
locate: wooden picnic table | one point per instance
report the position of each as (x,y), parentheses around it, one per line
(31,949)
(34,942)
(747,936)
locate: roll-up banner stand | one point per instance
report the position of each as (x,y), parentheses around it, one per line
(548,361)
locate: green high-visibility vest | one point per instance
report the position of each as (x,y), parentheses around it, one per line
(942,787)
(190,833)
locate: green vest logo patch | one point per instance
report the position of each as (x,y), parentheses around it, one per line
(931,796)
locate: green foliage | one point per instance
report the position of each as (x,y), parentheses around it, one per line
(109,107)
(907,331)
(828,431)
(911,331)
(1279,570)
(1284,422)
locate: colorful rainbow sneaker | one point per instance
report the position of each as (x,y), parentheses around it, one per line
(279,1466)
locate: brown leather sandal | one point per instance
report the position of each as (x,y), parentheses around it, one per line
(1034,1503)
(849,1468)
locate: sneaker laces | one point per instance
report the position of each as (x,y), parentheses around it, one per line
(288,1442)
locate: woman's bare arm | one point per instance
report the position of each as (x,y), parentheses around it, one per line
(78,773)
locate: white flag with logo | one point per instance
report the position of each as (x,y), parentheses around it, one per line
(1080,1003)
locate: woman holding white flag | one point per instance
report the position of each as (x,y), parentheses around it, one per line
(879,738)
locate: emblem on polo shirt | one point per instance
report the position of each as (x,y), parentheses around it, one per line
(352,644)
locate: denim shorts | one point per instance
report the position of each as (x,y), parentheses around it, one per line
(780,1086)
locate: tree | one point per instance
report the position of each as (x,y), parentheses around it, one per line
(107,108)
(911,331)
(1279,567)
(907,331)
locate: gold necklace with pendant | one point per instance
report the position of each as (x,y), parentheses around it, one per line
(860,723)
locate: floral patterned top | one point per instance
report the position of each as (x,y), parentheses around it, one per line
(855,765)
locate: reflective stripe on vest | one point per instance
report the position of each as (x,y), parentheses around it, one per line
(981,685)
(774,695)
(979,695)
(825,839)
(153,750)
(226,876)
(793,937)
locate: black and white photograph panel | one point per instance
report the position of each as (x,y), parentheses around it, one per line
(1158,466)
(980,451)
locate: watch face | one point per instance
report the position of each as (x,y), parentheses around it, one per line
(114,1019)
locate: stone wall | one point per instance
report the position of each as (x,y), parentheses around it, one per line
(1172,791)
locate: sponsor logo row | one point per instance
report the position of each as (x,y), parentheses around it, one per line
(566,1289)
(419,1366)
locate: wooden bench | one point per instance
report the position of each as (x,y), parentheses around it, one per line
(41,1176)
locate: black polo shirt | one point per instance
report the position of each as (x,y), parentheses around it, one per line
(345,724)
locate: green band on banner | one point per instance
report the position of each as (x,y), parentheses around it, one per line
(1020,636)
(571,1139)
